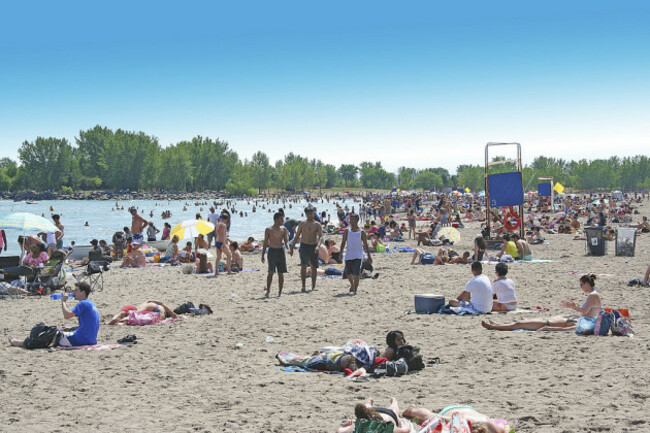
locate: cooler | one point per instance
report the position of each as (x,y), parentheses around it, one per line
(427,303)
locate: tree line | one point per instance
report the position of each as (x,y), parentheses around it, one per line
(101,158)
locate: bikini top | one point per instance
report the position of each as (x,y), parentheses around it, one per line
(388,412)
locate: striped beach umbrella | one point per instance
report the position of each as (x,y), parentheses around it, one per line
(26,221)
(190,229)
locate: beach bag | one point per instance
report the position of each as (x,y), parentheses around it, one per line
(41,337)
(184,308)
(141,318)
(373,426)
(381,248)
(621,325)
(412,356)
(603,323)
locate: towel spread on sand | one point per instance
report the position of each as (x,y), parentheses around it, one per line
(92,347)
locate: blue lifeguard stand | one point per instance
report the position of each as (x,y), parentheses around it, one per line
(504,189)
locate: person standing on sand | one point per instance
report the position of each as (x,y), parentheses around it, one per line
(355,239)
(137,225)
(213,217)
(221,244)
(276,238)
(311,233)
(59,234)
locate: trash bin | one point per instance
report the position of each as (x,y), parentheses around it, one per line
(596,242)
(625,241)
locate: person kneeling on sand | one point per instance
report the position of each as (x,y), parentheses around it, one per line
(86,311)
(504,290)
(152,306)
(583,322)
(477,295)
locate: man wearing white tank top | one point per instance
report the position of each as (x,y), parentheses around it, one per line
(355,239)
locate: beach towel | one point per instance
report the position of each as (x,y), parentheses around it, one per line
(465,309)
(405,249)
(141,318)
(361,351)
(92,347)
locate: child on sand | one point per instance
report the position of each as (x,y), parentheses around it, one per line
(276,238)
(355,239)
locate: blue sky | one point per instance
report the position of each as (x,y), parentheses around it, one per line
(419,84)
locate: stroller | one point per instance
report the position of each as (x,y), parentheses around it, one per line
(51,276)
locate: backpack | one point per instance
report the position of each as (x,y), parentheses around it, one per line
(412,356)
(603,323)
(41,337)
(373,426)
(621,325)
(184,308)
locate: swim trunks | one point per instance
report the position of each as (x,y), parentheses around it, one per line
(353,267)
(218,245)
(137,237)
(308,254)
(427,258)
(277,261)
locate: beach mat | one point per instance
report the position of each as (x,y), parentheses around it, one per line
(93,347)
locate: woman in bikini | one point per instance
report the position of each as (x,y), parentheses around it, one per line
(588,313)
(156,306)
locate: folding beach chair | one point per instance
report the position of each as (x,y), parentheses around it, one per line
(94,273)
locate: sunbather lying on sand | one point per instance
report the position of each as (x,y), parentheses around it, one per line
(587,317)
(474,420)
(151,305)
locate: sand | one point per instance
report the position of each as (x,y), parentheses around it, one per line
(191,376)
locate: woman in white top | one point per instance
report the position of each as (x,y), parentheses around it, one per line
(504,290)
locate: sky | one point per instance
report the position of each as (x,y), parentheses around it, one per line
(417,84)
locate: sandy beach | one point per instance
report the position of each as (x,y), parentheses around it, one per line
(191,376)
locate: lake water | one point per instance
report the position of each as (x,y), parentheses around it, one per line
(104,219)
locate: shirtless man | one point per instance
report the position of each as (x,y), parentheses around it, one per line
(136,258)
(200,243)
(311,232)
(276,238)
(137,224)
(221,244)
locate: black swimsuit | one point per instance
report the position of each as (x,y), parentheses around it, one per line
(388,412)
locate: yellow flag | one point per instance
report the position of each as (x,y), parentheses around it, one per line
(467,189)
(558,188)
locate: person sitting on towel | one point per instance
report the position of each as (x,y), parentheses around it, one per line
(86,311)
(477,293)
(504,290)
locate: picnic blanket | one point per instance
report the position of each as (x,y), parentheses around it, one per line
(141,318)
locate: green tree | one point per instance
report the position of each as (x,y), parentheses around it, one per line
(348,173)
(260,171)
(91,145)
(10,166)
(46,160)
(427,179)
(471,176)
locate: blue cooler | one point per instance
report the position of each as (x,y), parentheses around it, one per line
(427,303)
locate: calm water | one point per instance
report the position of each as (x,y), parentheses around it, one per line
(104,219)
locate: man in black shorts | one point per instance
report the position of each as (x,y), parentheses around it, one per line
(276,238)
(309,234)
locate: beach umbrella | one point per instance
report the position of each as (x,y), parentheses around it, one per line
(450,234)
(26,221)
(597,202)
(457,193)
(190,229)
(481,194)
